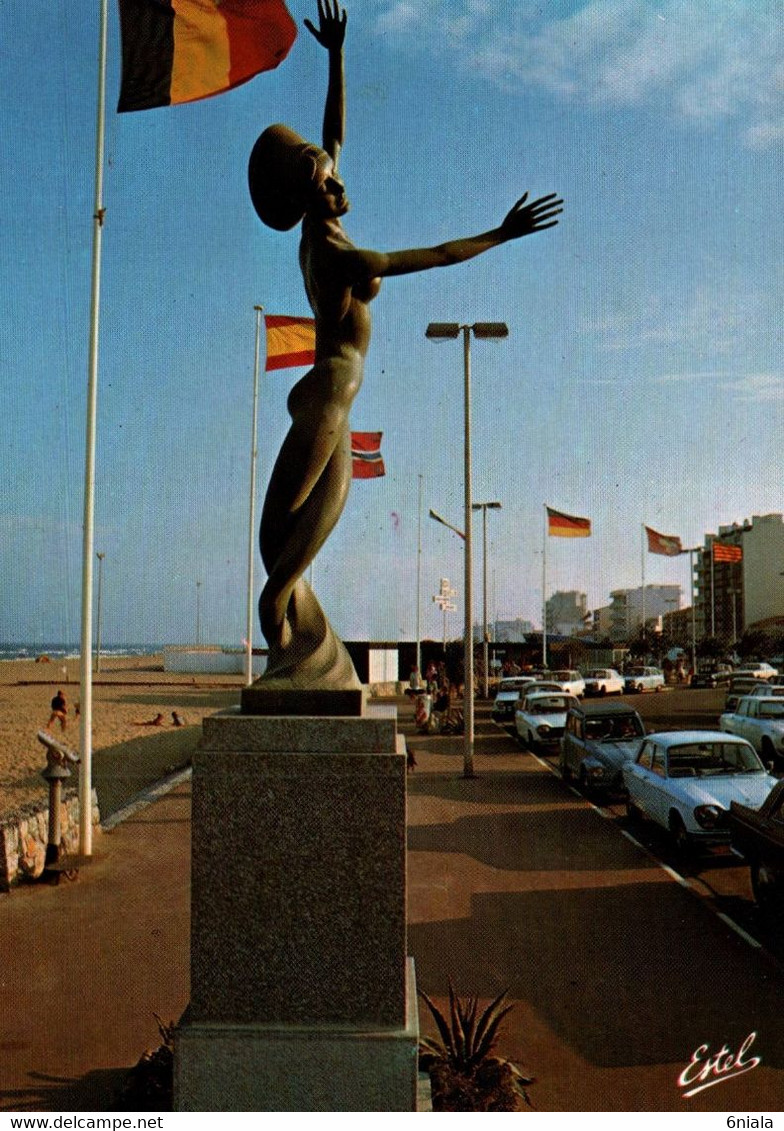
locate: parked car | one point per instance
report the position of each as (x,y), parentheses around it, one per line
(571,682)
(718,676)
(644,679)
(758,834)
(738,686)
(603,681)
(540,718)
(764,689)
(598,739)
(760,670)
(760,719)
(685,780)
(506,699)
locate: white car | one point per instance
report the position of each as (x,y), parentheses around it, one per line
(540,718)
(603,681)
(760,719)
(645,679)
(684,780)
(758,671)
(509,690)
(765,689)
(571,682)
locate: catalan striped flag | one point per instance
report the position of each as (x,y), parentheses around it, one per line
(366,455)
(726,552)
(290,341)
(561,525)
(177,51)
(668,544)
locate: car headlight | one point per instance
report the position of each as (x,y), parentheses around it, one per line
(543,729)
(708,816)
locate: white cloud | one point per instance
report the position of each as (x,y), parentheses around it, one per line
(703,61)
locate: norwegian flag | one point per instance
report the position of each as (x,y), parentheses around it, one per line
(366,455)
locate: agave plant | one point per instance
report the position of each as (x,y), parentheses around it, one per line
(463,1074)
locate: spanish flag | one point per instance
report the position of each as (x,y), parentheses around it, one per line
(668,544)
(567,525)
(366,455)
(182,50)
(290,341)
(726,552)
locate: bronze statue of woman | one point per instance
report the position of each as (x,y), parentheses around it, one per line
(291,180)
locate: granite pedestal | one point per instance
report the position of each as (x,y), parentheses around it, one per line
(302,998)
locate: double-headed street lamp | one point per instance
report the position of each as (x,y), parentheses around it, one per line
(484,507)
(440,330)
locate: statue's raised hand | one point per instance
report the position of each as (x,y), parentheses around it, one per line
(332,25)
(523,219)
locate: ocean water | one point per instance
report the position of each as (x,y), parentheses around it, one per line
(71,651)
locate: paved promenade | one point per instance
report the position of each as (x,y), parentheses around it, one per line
(617,972)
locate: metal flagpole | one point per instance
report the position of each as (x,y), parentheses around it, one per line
(252,518)
(468,626)
(419,586)
(88,533)
(544,591)
(693,615)
(642,556)
(713,593)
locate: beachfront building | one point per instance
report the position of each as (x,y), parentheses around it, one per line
(628,607)
(567,613)
(732,595)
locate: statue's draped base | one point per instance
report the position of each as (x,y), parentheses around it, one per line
(307,652)
(302,998)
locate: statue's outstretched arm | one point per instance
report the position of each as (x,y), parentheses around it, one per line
(330,34)
(522,220)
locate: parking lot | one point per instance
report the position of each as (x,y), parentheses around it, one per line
(621,963)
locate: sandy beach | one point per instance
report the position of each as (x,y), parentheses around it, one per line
(127,692)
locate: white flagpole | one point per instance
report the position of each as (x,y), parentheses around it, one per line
(544,591)
(419,585)
(88,530)
(252,517)
(693,614)
(642,557)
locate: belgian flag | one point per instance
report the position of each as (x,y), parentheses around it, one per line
(177,51)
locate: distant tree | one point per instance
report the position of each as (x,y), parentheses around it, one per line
(710,648)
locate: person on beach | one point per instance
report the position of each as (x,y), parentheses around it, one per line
(290,181)
(59,710)
(158,721)
(176,720)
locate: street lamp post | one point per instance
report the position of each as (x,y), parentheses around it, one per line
(100,558)
(483,507)
(439,330)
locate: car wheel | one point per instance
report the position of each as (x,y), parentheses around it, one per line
(602,690)
(767,888)
(684,845)
(639,688)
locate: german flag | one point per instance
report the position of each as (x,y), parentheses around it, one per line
(177,51)
(366,455)
(567,525)
(290,341)
(726,552)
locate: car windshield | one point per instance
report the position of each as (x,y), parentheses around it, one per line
(565,676)
(548,704)
(706,759)
(772,709)
(609,729)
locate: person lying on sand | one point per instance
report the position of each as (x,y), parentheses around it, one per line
(156,722)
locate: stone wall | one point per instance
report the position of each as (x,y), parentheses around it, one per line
(24,835)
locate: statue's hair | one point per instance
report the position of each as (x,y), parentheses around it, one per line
(281,173)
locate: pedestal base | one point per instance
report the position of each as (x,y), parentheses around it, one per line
(232,1067)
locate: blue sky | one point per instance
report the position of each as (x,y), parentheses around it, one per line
(641,381)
